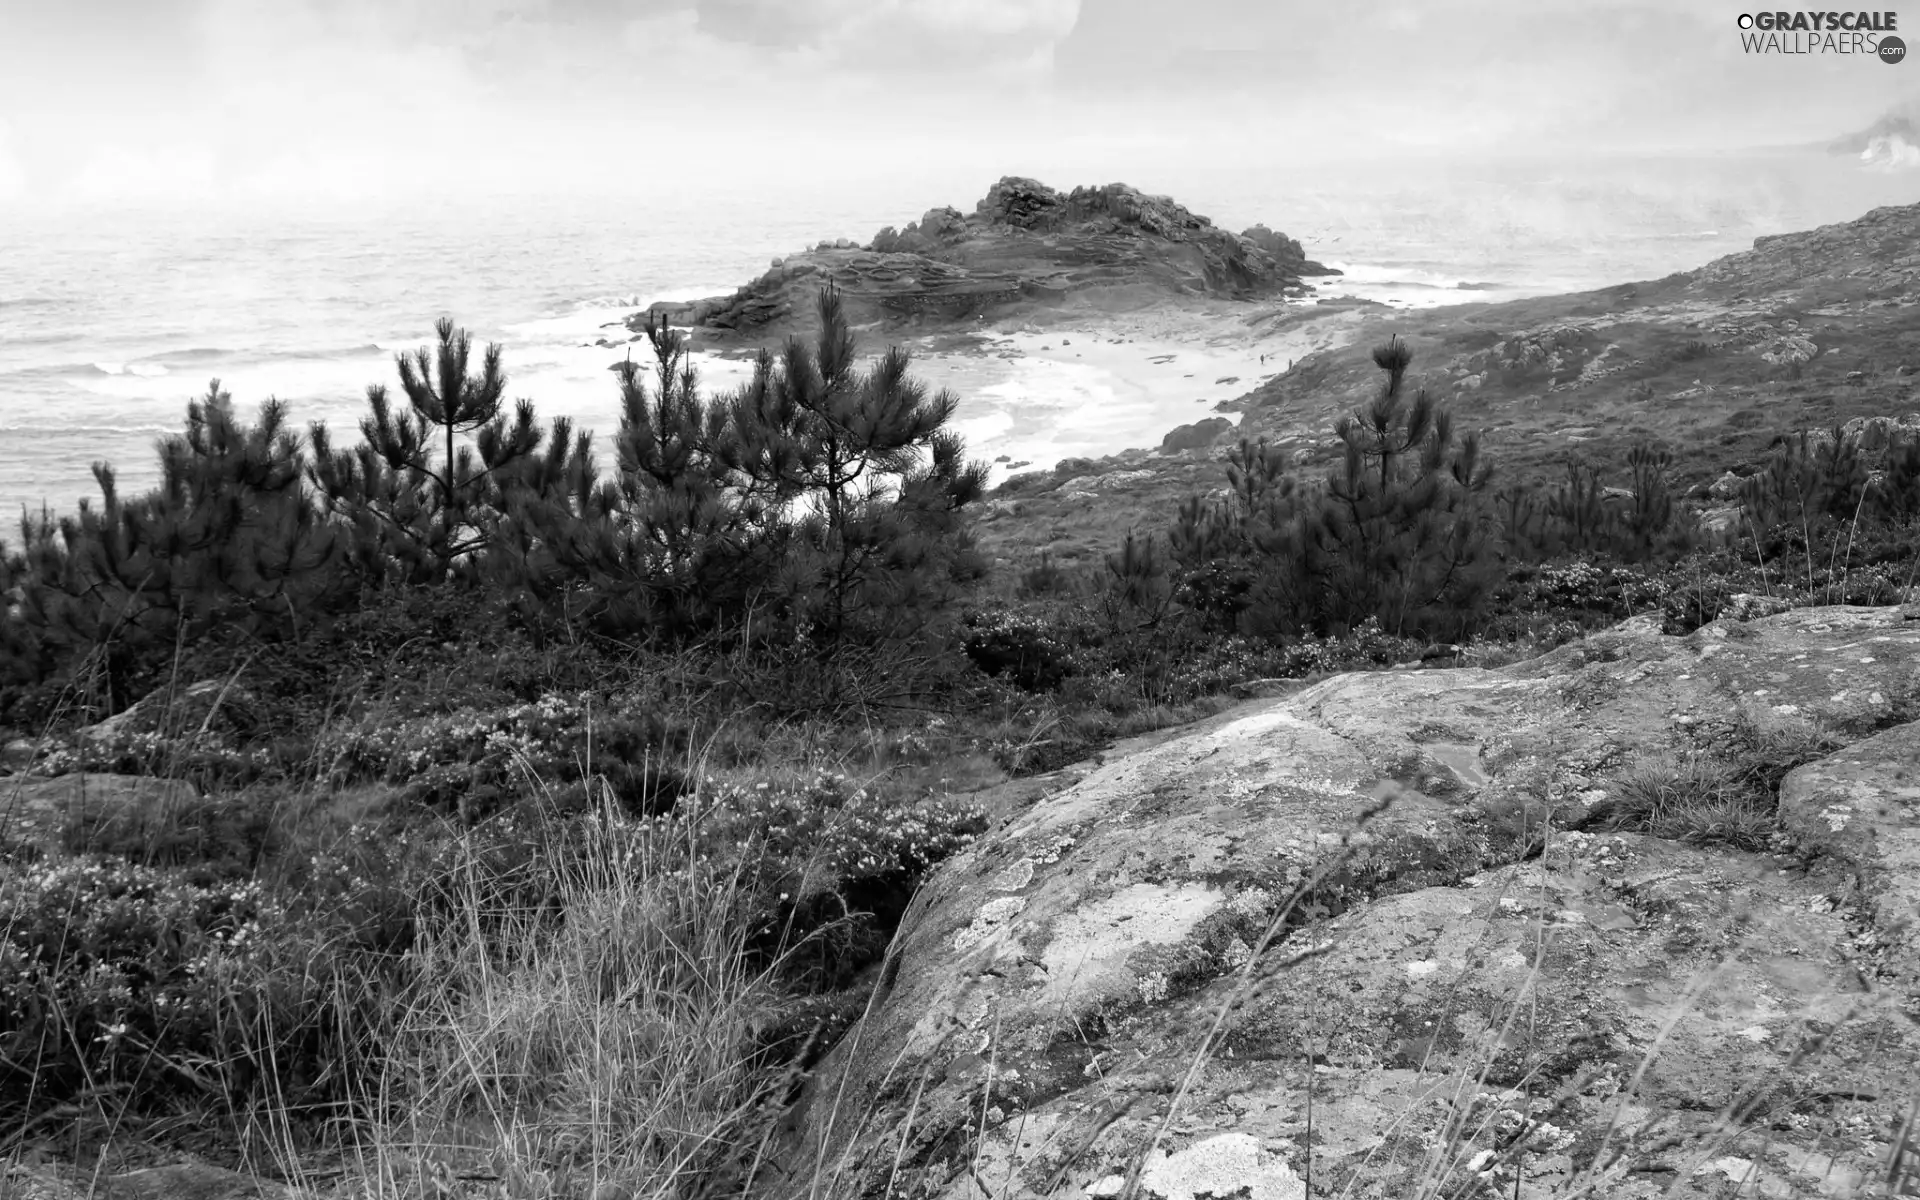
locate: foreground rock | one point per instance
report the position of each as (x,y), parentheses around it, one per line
(175,1181)
(1472,976)
(1024,246)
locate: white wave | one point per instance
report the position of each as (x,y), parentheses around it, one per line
(110,368)
(982,428)
(1369,273)
(1891,152)
(642,300)
(146,370)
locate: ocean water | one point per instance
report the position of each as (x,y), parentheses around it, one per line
(111,319)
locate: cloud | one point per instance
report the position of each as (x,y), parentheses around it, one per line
(1464,73)
(13,177)
(369,97)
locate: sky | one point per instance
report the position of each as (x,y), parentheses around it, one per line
(129,100)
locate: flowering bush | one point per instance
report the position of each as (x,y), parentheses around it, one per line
(1615,590)
(1019,647)
(208,756)
(108,970)
(474,757)
(818,859)
(185,981)
(831,862)
(825,831)
(1700,588)
(1366,644)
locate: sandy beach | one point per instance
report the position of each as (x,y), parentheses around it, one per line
(1098,384)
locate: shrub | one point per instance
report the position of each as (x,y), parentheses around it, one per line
(1402,531)
(820,503)
(1614,591)
(228,544)
(1017,647)
(171,985)
(475,759)
(1691,798)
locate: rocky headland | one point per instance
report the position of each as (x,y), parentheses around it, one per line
(1025,249)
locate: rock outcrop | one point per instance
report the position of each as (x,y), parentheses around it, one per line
(1024,244)
(36,811)
(1472,974)
(1197,436)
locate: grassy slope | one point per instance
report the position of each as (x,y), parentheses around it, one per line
(1677,361)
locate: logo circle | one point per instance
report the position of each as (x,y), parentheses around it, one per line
(1892,50)
(1745,21)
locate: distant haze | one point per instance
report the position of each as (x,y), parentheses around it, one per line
(144,100)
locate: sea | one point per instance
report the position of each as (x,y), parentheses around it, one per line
(113,317)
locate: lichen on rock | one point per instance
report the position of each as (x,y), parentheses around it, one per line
(1388,883)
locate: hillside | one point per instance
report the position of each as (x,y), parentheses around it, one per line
(1810,329)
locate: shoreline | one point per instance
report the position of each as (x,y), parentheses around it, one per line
(1082,381)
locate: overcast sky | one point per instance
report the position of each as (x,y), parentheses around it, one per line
(117,99)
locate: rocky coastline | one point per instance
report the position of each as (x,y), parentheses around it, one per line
(1814,330)
(1024,251)
(1811,329)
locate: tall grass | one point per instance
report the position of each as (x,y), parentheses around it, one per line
(591,1022)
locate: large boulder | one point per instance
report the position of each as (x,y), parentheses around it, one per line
(1393,909)
(1021,203)
(1197,436)
(214,705)
(36,811)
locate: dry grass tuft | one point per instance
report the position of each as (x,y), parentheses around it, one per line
(1691,798)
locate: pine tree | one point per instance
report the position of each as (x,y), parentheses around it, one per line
(659,548)
(229,540)
(1579,511)
(1527,532)
(1844,474)
(26,655)
(1648,530)
(1212,539)
(1798,483)
(419,502)
(1896,498)
(878,479)
(1400,535)
(1139,587)
(828,497)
